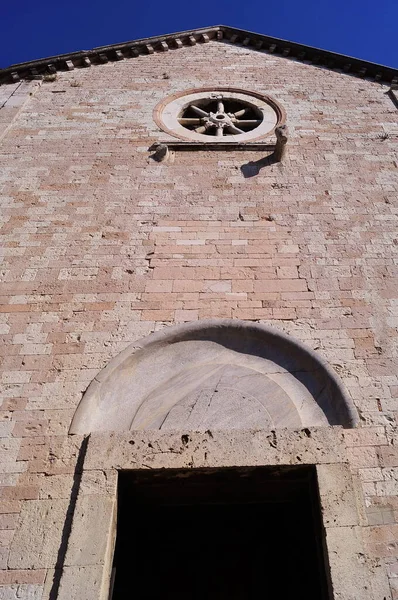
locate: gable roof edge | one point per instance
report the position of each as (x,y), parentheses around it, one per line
(36,69)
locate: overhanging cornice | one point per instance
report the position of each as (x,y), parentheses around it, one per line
(36,69)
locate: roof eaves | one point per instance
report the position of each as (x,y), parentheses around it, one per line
(317,56)
(36,69)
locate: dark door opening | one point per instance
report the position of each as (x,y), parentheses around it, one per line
(210,534)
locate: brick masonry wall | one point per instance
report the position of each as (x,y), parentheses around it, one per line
(101,246)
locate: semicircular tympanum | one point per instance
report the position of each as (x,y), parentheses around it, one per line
(221,374)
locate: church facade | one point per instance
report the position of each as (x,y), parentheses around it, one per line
(199,321)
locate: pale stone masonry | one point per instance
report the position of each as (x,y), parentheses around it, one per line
(101,245)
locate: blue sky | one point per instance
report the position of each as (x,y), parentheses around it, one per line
(359,28)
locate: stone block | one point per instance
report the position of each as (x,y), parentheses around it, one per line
(94,524)
(83,582)
(98,483)
(338,501)
(349,573)
(37,540)
(21,592)
(388,456)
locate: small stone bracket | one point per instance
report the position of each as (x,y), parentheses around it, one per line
(161,153)
(282,136)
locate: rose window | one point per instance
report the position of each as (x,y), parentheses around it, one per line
(219,115)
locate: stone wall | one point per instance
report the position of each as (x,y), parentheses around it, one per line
(101,245)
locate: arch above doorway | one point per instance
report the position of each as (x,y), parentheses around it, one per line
(214,374)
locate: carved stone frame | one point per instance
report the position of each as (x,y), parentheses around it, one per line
(165,121)
(87,564)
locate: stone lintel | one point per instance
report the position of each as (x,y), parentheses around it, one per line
(152,449)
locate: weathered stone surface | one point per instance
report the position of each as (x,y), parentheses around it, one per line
(349,572)
(337,496)
(379,579)
(48,583)
(21,592)
(83,582)
(37,540)
(101,482)
(94,523)
(152,449)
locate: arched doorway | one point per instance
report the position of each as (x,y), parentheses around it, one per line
(218,419)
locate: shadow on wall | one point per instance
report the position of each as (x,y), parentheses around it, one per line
(216,374)
(253,168)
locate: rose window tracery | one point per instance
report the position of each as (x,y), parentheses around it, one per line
(219,116)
